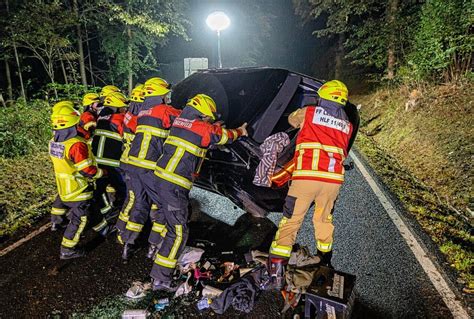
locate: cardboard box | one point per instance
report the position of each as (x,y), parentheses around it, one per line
(331,295)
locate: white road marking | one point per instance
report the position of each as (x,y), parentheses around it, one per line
(443,288)
(25,239)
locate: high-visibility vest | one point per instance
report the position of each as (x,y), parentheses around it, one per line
(72,186)
(321,145)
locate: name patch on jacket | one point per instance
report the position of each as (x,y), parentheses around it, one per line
(321,117)
(56,149)
(105,117)
(179,122)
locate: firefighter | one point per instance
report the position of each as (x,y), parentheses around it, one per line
(191,134)
(321,148)
(88,120)
(129,126)
(75,169)
(107,148)
(153,126)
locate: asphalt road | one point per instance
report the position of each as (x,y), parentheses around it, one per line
(390,281)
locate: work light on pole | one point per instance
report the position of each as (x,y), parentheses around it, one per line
(218,21)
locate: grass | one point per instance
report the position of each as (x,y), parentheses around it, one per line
(424,155)
(27,190)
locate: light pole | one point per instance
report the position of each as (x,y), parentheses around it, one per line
(218,21)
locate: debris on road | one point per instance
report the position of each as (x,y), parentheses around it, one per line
(135,314)
(138,290)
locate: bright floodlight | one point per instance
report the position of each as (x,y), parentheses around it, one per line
(218,21)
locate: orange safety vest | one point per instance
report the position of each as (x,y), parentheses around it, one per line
(321,146)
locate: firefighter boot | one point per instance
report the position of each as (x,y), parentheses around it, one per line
(276,269)
(70,253)
(325,258)
(128,251)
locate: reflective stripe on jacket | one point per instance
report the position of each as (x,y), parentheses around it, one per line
(72,185)
(322,142)
(107,141)
(185,148)
(152,129)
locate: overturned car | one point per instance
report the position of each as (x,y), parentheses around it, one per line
(264,98)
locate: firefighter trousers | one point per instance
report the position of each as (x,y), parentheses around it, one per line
(58,211)
(301,195)
(141,209)
(79,212)
(172,202)
(99,211)
(127,204)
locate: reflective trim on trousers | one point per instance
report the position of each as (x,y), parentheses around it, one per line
(100,226)
(58,211)
(280,250)
(324,247)
(70,243)
(126,212)
(165,262)
(158,228)
(135,227)
(177,241)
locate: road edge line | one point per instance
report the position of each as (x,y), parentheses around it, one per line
(421,255)
(20,242)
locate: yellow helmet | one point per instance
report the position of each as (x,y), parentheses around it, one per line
(138,93)
(64,115)
(108,89)
(335,91)
(90,98)
(204,104)
(156,87)
(115,99)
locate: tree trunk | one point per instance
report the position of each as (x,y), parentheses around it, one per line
(64,72)
(130,60)
(80,48)
(391,19)
(89,58)
(339,57)
(9,79)
(20,76)
(17,59)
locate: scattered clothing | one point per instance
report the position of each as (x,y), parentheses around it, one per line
(190,255)
(240,295)
(138,290)
(302,257)
(270,148)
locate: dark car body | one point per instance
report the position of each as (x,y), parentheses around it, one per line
(262,97)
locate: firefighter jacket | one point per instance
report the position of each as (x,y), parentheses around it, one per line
(152,129)
(185,148)
(74,165)
(321,145)
(107,140)
(87,123)
(129,127)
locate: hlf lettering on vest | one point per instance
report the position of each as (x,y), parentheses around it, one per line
(56,149)
(321,117)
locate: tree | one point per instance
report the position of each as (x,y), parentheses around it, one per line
(45,34)
(133,31)
(370,33)
(443,43)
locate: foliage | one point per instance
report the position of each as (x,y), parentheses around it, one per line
(134,31)
(72,92)
(45,34)
(24,128)
(443,44)
(434,179)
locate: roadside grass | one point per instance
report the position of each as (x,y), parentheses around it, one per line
(424,155)
(27,190)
